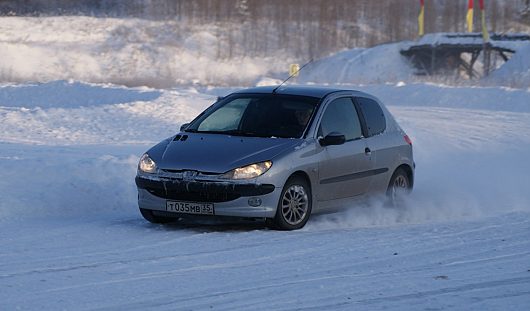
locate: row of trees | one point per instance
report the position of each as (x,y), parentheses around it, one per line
(310,28)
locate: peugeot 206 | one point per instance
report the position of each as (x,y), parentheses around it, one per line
(279,154)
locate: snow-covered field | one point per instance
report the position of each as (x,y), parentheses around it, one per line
(72,238)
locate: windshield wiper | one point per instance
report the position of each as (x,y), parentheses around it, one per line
(212,132)
(231,132)
(249,134)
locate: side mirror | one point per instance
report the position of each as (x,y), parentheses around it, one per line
(184,126)
(333,138)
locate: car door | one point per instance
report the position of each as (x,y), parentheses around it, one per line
(380,147)
(343,168)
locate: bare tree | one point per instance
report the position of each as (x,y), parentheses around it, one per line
(303,28)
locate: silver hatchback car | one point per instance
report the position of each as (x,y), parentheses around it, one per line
(278,154)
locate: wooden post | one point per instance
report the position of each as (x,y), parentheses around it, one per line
(474,58)
(486,50)
(433,59)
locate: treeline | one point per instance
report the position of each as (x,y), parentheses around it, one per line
(313,28)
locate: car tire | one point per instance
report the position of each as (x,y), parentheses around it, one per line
(294,206)
(398,188)
(149,216)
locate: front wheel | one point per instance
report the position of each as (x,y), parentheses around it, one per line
(398,188)
(294,207)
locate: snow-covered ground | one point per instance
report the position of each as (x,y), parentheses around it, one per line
(72,237)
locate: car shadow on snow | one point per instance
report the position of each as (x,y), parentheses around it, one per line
(210,225)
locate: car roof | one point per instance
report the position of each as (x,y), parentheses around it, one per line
(312,91)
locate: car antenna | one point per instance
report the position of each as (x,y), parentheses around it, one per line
(294,73)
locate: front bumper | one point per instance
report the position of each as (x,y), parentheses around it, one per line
(229,198)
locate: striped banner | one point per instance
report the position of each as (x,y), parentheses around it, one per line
(421,18)
(469,16)
(485,34)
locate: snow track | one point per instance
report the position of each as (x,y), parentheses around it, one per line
(72,238)
(117,263)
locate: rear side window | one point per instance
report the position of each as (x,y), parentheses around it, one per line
(373,114)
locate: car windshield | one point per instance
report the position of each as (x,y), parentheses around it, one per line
(264,115)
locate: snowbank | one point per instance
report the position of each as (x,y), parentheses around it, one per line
(72,113)
(515,72)
(384,64)
(70,94)
(132,52)
(433,95)
(379,64)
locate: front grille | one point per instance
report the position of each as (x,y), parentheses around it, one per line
(194,196)
(196,191)
(177,172)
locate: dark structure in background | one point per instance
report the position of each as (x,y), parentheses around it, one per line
(444,54)
(305,28)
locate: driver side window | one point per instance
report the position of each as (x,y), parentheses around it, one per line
(225,118)
(341,116)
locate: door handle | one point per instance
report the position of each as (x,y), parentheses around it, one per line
(367,151)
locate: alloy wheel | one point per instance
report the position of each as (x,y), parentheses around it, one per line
(294,204)
(400,187)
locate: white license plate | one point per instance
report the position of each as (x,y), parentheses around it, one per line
(190,207)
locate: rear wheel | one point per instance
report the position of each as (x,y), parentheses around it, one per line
(294,207)
(398,188)
(149,216)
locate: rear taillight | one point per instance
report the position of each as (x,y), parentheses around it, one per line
(407,139)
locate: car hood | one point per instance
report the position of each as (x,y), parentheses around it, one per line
(217,153)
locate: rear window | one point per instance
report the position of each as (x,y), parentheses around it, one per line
(373,114)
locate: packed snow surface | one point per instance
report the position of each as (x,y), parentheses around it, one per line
(72,237)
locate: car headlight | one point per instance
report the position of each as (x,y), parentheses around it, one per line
(146,164)
(249,171)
